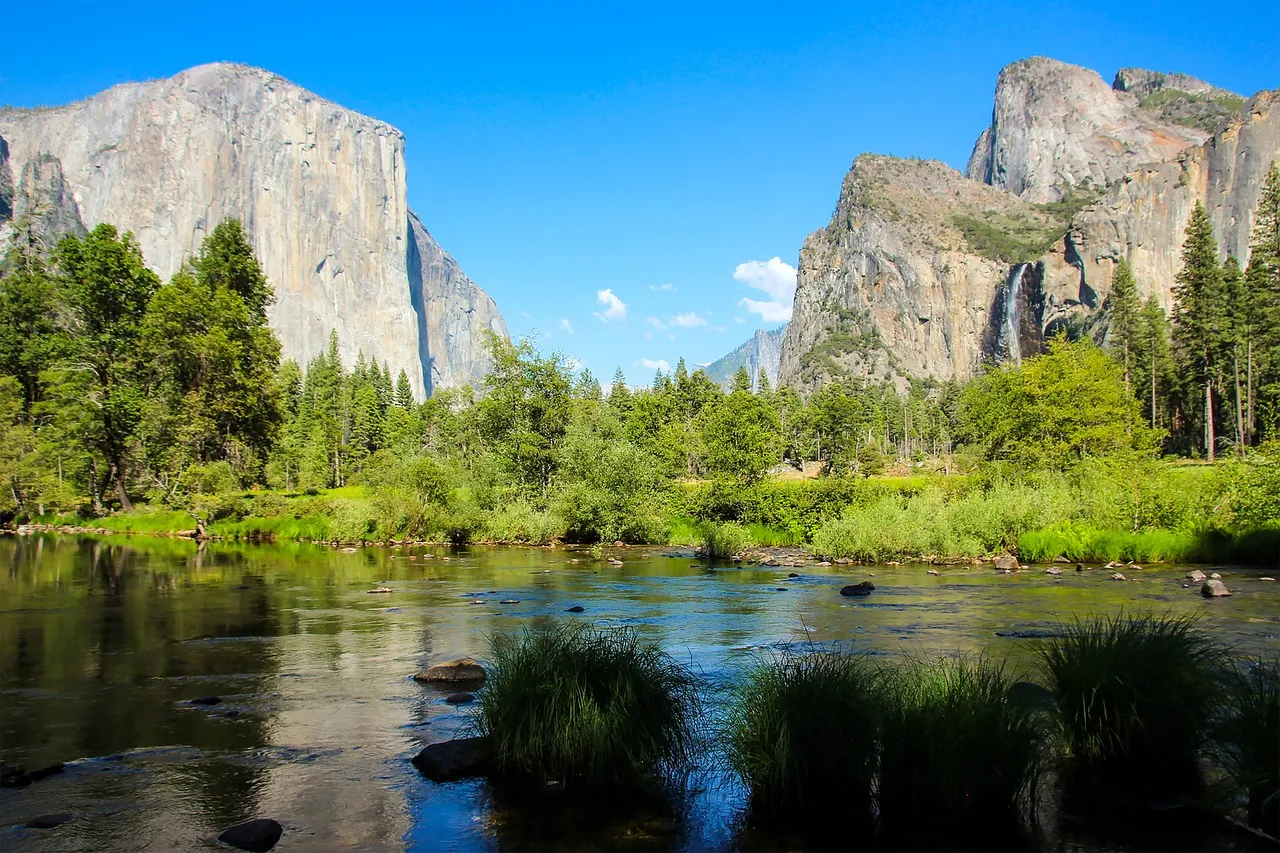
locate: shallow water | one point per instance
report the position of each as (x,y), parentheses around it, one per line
(104,642)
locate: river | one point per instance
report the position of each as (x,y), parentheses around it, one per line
(104,642)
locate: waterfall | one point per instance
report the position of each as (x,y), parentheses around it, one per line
(1013,289)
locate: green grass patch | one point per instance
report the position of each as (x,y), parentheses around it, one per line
(281,528)
(1205,545)
(957,751)
(593,709)
(801,733)
(1135,695)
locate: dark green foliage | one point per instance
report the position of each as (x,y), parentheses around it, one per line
(595,710)
(958,752)
(1135,695)
(1249,740)
(1200,325)
(1206,112)
(1009,239)
(1124,318)
(802,734)
(721,541)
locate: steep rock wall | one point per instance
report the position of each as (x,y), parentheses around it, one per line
(320,189)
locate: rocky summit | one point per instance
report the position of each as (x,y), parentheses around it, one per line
(321,191)
(927,272)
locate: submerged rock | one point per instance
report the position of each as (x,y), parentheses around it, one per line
(1053,570)
(577,608)
(206,700)
(1118,577)
(455,759)
(462,669)
(255,835)
(16,776)
(857,589)
(49,821)
(932,572)
(1214,589)
(460,698)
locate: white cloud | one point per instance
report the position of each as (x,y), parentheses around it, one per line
(656,323)
(566,325)
(774,277)
(615,308)
(654,364)
(770,312)
(688,320)
(664,288)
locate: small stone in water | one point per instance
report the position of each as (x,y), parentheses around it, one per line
(257,836)
(206,700)
(49,821)
(577,608)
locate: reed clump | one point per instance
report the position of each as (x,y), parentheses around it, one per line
(802,734)
(1135,696)
(591,710)
(1249,740)
(957,750)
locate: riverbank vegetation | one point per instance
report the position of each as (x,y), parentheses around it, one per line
(150,406)
(1139,708)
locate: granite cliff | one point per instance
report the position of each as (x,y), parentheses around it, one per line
(925,272)
(321,191)
(762,352)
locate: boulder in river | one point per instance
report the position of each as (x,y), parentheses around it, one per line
(1006,563)
(1118,577)
(455,759)
(460,698)
(1197,576)
(49,821)
(1053,570)
(857,589)
(577,608)
(1214,589)
(462,669)
(257,836)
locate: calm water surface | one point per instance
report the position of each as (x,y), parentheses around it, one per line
(104,642)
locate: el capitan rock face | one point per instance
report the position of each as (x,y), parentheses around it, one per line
(320,189)
(926,272)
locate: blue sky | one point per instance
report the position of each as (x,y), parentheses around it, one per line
(579,158)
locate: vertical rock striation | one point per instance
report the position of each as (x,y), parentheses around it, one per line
(762,352)
(320,189)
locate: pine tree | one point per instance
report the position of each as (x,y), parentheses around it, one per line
(741,380)
(1200,315)
(1262,302)
(1237,334)
(763,386)
(1124,306)
(404,392)
(619,393)
(1153,367)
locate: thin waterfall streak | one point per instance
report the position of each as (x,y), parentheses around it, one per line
(1013,342)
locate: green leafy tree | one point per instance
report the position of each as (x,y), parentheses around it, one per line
(107,287)
(1054,410)
(1261,309)
(742,437)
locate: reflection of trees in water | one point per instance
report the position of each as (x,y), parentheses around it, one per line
(111,667)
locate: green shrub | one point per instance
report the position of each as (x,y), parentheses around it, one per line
(802,734)
(1249,740)
(519,521)
(593,709)
(1135,695)
(211,478)
(720,541)
(956,749)
(353,521)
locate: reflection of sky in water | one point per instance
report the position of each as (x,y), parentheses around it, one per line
(102,646)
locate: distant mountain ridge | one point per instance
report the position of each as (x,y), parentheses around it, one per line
(762,351)
(321,191)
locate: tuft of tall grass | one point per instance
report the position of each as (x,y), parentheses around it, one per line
(1135,695)
(1249,740)
(802,734)
(956,749)
(723,540)
(593,709)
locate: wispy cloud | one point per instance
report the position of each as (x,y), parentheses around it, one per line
(656,323)
(654,364)
(662,288)
(688,320)
(774,277)
(614,308)
(566,325)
